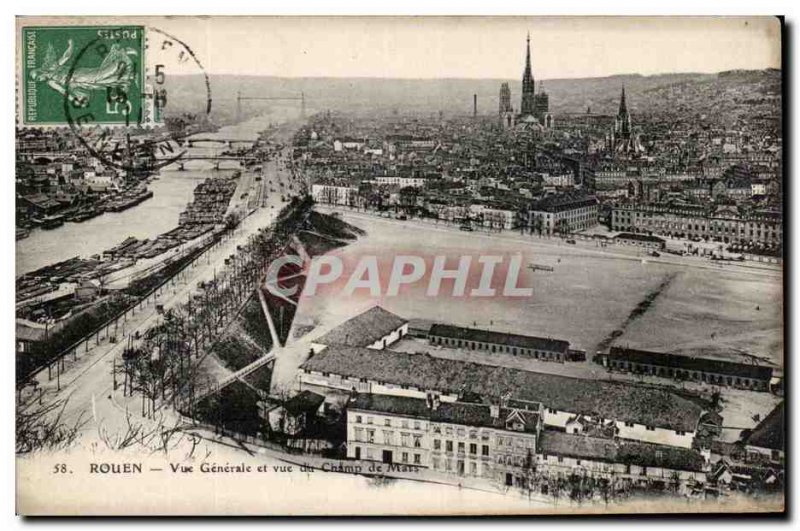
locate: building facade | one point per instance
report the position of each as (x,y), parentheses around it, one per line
(711,371)
(330,194)
(640,240)
(562,214)
(691,221)
(494,442)
(514,344)
(634,412)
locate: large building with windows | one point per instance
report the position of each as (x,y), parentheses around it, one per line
(631,410)
(505,443)
(562,214)
(501,342)
(693,368)
(333,193)
(496,442)
(692,221)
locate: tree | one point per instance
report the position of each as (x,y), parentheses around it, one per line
(529,469)
(674,481)
(42,426)
(561,227)
(538,224)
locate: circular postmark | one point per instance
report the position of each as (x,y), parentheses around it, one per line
(143,126)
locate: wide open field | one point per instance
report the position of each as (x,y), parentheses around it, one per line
(724,311)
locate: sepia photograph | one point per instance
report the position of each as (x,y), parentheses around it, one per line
(399,265)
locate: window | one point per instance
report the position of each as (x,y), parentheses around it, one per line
(387,422)
(473,468)
(358,419)
(681,433)
(404,439)
(405,457)
(359,434)
(650,428)
(417,441)
(629,424)
(405,423)
(473,448)
(437,444)
(449,446)
(371,436)
(416,424)
(369,420)
(560,459)
(388,437)
(485,450)
(417,459)
(461,447)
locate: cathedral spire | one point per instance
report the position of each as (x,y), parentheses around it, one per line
(623,108)
(528,86)
(528,69)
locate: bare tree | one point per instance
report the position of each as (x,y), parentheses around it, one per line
(42,426)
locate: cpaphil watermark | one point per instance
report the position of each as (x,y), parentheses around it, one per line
(480,276)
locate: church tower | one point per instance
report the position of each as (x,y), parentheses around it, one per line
(622,126)
(527,107)
(507,118)
(622,140)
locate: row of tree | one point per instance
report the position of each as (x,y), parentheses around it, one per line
(165,364)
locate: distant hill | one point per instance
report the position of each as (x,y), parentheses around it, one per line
(698,92)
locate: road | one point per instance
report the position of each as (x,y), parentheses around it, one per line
(87,382)
(586,247)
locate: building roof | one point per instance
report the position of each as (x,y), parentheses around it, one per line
(620,451)
(770,432)
(363,329)
(304,402)
(691,363)
(638,237)
(622,401)
(502,338)
(464,413)
(560,203)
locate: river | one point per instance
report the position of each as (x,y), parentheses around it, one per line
(171,192)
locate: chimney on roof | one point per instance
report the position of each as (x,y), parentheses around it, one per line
(504,399)
(432,400)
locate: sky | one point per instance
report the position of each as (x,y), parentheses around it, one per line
(470,47)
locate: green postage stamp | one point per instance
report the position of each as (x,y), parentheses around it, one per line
(83,74)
